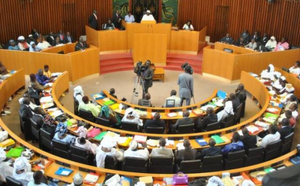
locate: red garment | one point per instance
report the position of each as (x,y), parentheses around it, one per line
(292,121)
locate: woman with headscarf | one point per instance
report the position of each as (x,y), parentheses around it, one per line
(5,168)
(106,148)
(107,113)
(78,93)
(133,151)
(82,142)
(132,116)
(12,45)
(271,44)
(23,45)
(283,45)
(61,134)
(268,73)
(22,170)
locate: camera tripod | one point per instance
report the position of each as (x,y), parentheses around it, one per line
(136,88)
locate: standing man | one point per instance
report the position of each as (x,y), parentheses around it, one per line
(93,20)
(186,85)
(147,76)
(117,19)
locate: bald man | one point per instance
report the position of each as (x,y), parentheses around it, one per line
(183,121)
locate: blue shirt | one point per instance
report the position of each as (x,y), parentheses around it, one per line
(232,147)
(42,79)
(16,47)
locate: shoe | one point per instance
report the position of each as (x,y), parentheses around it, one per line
(7,112)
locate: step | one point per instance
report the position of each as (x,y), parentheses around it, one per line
(114,70)
(115,56)
(179,63)
(115,62)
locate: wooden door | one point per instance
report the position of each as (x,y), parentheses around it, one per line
(221,22)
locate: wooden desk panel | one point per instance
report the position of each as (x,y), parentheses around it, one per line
(150,46)
(67,48)
(92,36)
(184,40)
(110,40)
(236,49)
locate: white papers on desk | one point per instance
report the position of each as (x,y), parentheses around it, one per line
(206,106)
(65,173)
(240,132)
(262,124)
(252,129)
(140,139)
(180,146)
(56,113)
(56,74)
(46,99)
(141,113)
(269,120)
(153,143)
(48,84)
(272,110)
(170,142)
(91,178)
(172,114)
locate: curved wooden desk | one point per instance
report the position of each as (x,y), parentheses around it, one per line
(292,79)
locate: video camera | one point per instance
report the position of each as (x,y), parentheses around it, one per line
(140,68)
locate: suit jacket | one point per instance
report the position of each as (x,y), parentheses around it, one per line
(186,154)
(249,141)
(115,20)
(285,131)
(183,121)
(67,41)
(62,38)
(162,152)
(211,151)
(228,40)
(26,113)
(202,123)
(93,22)
(242,95)
(235,103)
(80,46)
(38,119)
(147,77)
(50,40)
(154,123)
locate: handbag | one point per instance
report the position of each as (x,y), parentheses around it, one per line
(93,132)
(180,178)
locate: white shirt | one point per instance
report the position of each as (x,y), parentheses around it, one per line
(228,109)
(129,19)
(143,153)
(271,45)
(101,155)
(31,183)
(186,27)
(251,45)
(88,146)
(43,45)
(148,17)
(295,70)
(269,139)
(135,120)
(177,100)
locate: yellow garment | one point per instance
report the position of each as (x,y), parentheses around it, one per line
(48,74)
(95,109)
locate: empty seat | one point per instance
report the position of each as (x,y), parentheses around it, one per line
(170,103)
(21,122)
(227,122)
(213,126)
(155,130)
(129,126)
(60,148)
(135,164)
(87,115)
(81,155)
(45,141)
(272,150)
(183,129)
(287,143)
(234,160)
(161,165)
(238,113)
(35,129)
(254,156)
(102,121)
(212,163)
(190,166)
(110,162)
(12,181)
(76,104)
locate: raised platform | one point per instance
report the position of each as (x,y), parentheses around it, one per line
(123,61)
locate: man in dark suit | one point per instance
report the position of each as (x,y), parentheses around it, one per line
(51,38)
(286,129)
(38,116)
(147,77)
(235,101)
(184,121)
(248,140)
(211,117)
(212,150)
(241,93)
(26,114)
(187,153)
(80,45)
(227,39)
(255,36)
(69,38)
(155,122)
(93,20)
(62,37)
(117,19)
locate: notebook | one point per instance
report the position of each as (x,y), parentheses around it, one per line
(140,139)
(91,178)
(221,94)
(63,171)
(201,142)
(217,138)
(100,136)
(110,102)
(15,152)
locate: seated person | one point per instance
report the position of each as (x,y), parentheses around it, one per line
(286,129)
(61,135)
(43,44)
(227,39)
(78,93)
(265,39)
(77,180)
(41,78)
(290,101)
(248,140)
(155,122)
(109,25)
(134,152)
(271,44)
(12,45)
(211,117)
(69,38)
(107,113)
(88,106)
(80,45)
(23,45)
(129,18)
(241,42)
(271,137)
(228,109)
(235,101)
(268,73)
(241,93)
(3,70)
(185,120)
(283,45)
(31,38)
(145,102)
(148,16)
(252,45)
(212,150)
(132,116)
(188,26)
(294,110)
(33,47)
(105,148)
(162,151)
(82,142)
(187,153)
(49,124)
(38,116)
(47,72)
(57,42)
(112,93)
(173,97)
(38,177)
(235,145)
(245,35)
(291,119)
(255,36)
(22,170)
(5,168)
(295,69)
(51,38)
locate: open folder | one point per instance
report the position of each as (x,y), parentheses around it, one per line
(63,171)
